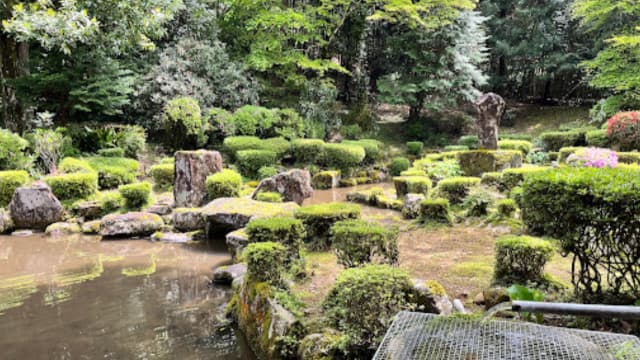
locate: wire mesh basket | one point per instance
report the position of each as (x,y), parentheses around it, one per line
(432,337)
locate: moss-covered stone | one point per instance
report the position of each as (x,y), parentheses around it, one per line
(62,228)
(326,180)
(477,162)
(235,213)
(91,227)
(130,224)
(412,184)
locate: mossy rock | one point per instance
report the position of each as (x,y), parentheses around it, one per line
(62,229)
(235,213)
(326,180)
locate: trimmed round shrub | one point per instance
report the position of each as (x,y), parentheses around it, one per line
(250,161)
(506,207)
(162,175)
(456,189)
(72,165)
(268,196)
(477,203)
(9,182)
(113,172)
(364,301)
(110,202)
(267,172)
(556,140)
(252,120)
(520,145)
(435,211)
(226,183)
(492,179)
(307,151)
(589,211)
(343,156)
(287,231)
(415,147)
(597,138)
(470,141)
(411,185)
(514,177)
(359,242)
(233,144)
(521,259)
(73,186)
(372,149)
(13,151)
(280,146)
(318,219)
(111,152)
(183,123)
(398,165)
(623,129)
(135,196)
(265,261)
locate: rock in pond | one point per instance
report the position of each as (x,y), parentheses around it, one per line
(35,207)
(188,219)
(226,275)
(293,185)
(323,180)
(63,228)
(191,171)
(236,242)
(6,224)
(228,214)
(22,233)
(91,227)
(431,297)
(130,224)
(173,237)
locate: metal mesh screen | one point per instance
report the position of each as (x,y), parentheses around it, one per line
(432,337)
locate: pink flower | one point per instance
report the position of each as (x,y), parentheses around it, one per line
(594,157)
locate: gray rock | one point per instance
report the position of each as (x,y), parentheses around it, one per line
(22,233)
(130,224)
(294,185)
(191,171)
(226,275)
(411,208)
(228,214)
(159,209)
(89,210)
(6,224)
(281,320)
(35,207)
(431,298)
(490,108)
(494,296)
(236,242)
(319,346)
(63,228)
(172,237)
(91,227)
(188,219)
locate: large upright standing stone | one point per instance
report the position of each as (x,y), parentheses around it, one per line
(191,171)
(490,109)
(35,207)
(294,185)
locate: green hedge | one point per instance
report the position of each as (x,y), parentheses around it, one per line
(506,207)
(521,259)
(565,152)
(278,145)
(455,189)
(359,242)
(520,145)
(135,196)
(73,186)
(478,162)
(372,149)
(265,262)
(411,185)
(413,172)
(435,211)
(267,172)
(162,175)
(226,183)
(9,181)
(73,165)
(113,172)
(233,144)
(492,179)
(629,157)
(287,231)
(398,165)
(318,220)
(307,151)
(344,157)
(268,196)
(111,152)
(110,202)
(514,177)
(597,138)
(363,302)
(250,161)
(415,147)
(556,140)
(593,212)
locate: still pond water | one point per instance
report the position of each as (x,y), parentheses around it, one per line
(77,297)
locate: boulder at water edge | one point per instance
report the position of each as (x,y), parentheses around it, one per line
(228,214)
(294,185)
(188,219)
(226,275)
(130,224)
(236,242)
(62,229)
(191,171)
(35,207)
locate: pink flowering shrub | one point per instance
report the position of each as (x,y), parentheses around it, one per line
(594,157)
